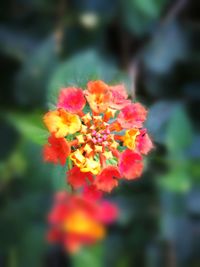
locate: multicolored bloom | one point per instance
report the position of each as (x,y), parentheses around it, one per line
(105,143)
(77,220)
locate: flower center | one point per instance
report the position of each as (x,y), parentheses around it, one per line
(100,137)
(98,132)
(94,145)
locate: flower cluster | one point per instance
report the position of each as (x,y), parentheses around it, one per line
(98,134)
(79,219)
(98,131)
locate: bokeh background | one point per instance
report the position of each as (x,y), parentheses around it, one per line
(153,47)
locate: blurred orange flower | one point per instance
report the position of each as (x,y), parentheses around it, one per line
(77,220)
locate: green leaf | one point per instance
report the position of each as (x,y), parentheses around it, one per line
(179,133)
(157,56)
(139,16)
(80,69)
(86,109)
(13,167)
(30,126)
(113,161)
(150,8)
(89,256)
(177,180)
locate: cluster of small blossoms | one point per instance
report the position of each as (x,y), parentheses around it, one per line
(98,133)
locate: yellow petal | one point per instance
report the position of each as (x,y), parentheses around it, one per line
(114,144)
(108,154)
(98,148)
(97,118)
(130,137)
(84,129)
(110,113)
(62,123)
(80,139)
(87,149)
(89,136)
(91,166)
(87,118)
(78,158)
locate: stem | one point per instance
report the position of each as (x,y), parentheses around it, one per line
(69,164)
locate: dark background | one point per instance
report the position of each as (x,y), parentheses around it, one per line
(152,46)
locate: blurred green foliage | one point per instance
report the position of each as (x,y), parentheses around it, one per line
(153,47)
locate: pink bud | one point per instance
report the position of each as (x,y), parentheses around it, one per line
(94,140)
(94,132)
(104,137)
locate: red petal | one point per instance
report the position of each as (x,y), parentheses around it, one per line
(56,151)
(77,178)
(119,97)
(132,116)
(105,180)
(130,164)
(144,143)
(71,99)
(91,192)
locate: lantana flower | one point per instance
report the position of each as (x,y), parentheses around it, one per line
(104,136)
(76,220)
